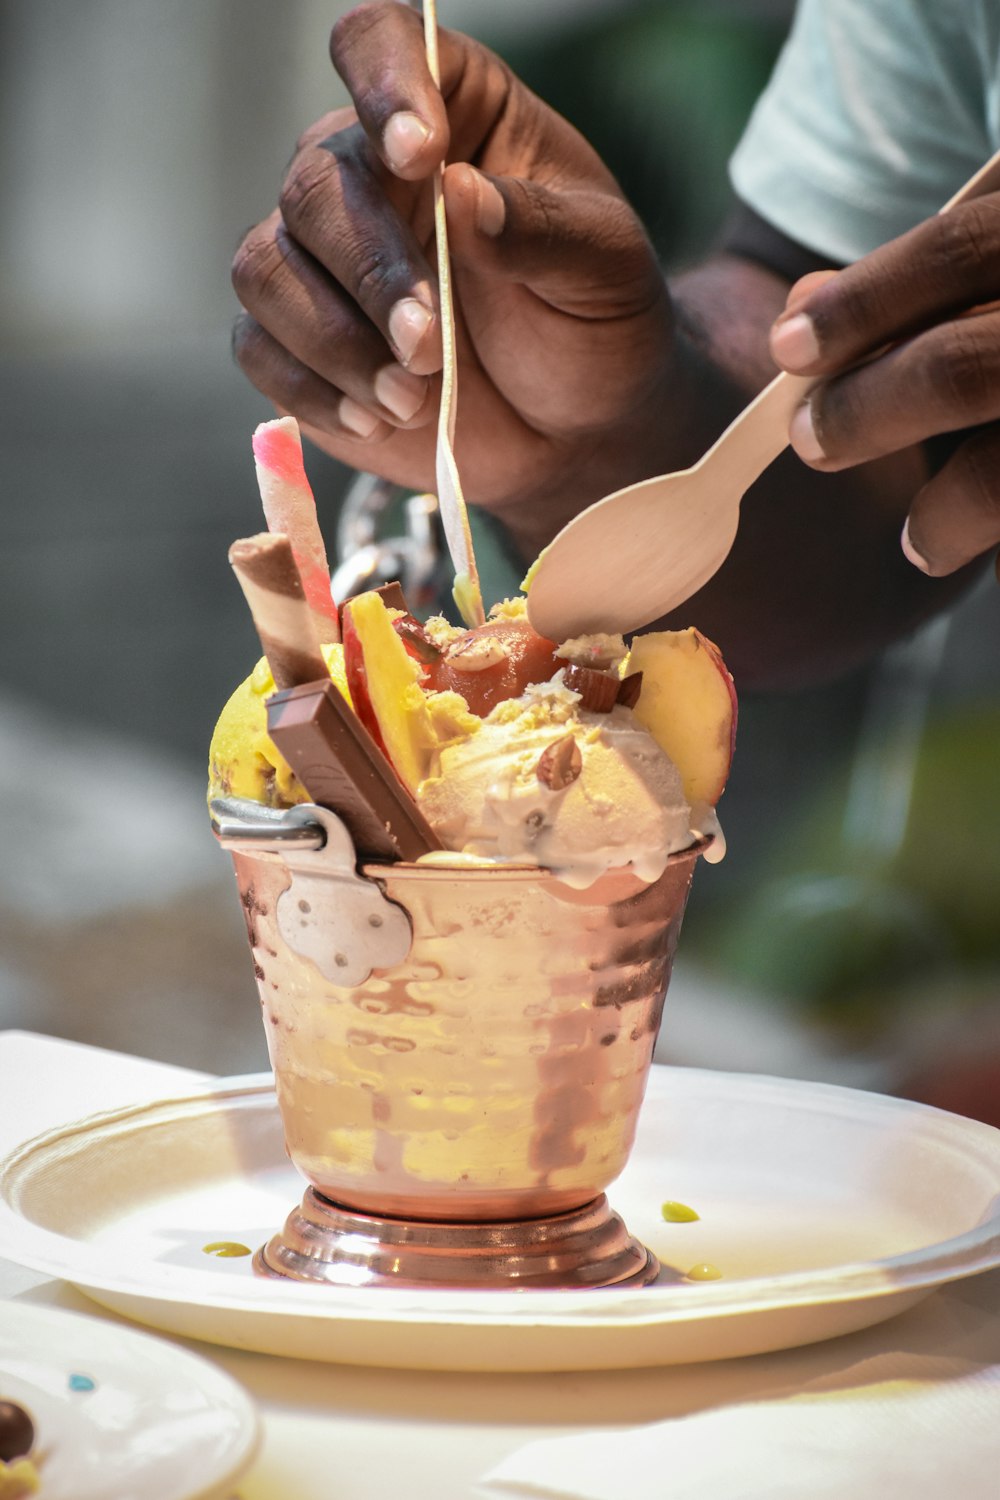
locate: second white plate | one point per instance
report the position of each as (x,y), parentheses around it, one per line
(825,1209)
(119,1415)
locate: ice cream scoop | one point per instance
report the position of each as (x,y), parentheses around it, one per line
(545,781)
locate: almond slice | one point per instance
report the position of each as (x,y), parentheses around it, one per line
(560,764)
(598,690)
(476,652)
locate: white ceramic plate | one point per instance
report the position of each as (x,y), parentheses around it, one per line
(120,1415)
(825,1209)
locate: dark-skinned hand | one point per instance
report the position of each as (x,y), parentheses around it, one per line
(564,321)
(909,340)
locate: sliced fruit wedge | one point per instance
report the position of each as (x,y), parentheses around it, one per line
(687,701)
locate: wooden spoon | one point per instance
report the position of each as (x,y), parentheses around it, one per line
(639,553)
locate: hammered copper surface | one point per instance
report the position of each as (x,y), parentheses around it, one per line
(587,1247)
(497,1072)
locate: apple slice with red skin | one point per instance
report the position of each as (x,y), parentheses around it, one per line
(687,701)
(356,672)
(408,722)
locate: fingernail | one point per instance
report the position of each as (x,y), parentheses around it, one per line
(910,552)
(409,320)
(402,139)
(491,210)
(400,393)
(802,435)
(794,344)
(356,418)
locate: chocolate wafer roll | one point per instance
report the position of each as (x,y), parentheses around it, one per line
(267,574)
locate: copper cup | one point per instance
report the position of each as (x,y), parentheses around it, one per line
(489,1077)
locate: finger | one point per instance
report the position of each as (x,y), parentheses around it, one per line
(582,251)
(956,516)
(943,380)
(937,270)
(334,206)
(405,458)
(298,390)
(378,50)
(330,124)
(294,300)
(561,294)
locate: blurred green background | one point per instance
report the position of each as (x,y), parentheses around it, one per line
(853,930)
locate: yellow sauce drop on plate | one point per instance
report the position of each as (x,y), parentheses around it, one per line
(225,1249)
(705,1272)
(678,1213)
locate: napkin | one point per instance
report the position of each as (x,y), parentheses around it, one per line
(885,1429)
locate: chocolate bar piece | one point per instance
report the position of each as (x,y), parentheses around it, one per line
(342,768)
(392,596)
(629,690)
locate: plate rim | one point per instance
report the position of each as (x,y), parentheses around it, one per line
(912,1272)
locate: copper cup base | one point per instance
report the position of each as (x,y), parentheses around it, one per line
(585,1247)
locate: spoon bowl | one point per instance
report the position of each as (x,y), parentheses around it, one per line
(640,552)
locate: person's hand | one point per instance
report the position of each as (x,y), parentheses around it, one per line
(909,338)
(564,322)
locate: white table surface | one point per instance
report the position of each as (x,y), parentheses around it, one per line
(342,1433)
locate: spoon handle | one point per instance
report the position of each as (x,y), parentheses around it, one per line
(451,501)
(753,440)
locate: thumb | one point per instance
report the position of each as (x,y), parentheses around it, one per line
(581,250)
(803,289)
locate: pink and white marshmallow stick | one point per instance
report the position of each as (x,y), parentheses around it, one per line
(290,508)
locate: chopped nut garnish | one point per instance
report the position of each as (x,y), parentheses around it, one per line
(560,764)
(442,632)
(598,690)
(414,634)
(600,651)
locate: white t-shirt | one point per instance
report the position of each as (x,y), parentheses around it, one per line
(877,111)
